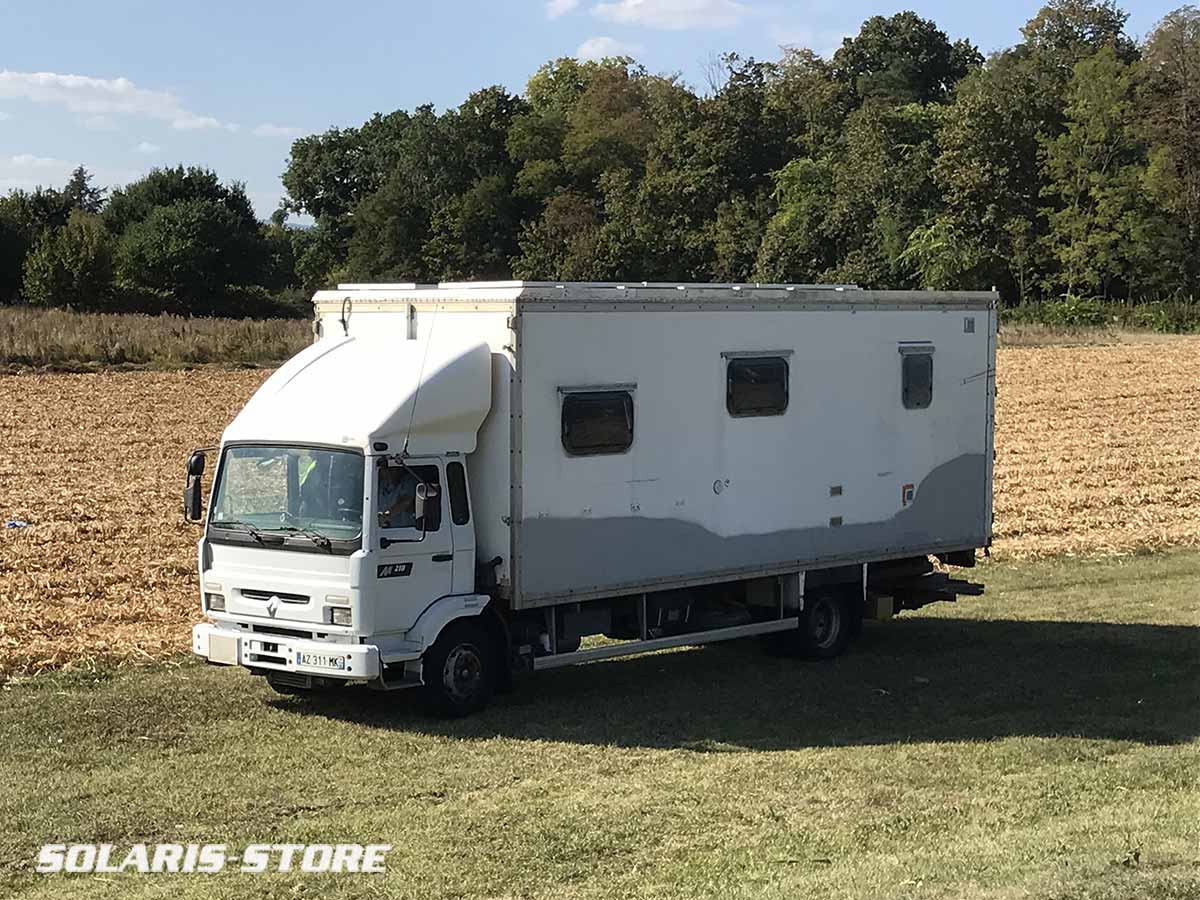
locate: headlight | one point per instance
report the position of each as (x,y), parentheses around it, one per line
(339,615)
(215,602)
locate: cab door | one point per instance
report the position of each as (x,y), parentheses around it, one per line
(414,559)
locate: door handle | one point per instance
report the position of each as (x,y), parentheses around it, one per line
(443,557)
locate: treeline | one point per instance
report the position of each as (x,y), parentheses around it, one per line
(1066,165)
(177,241)
(1063,169)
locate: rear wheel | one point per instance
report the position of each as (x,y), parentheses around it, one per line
(824,626)
(824,630)
(459,670)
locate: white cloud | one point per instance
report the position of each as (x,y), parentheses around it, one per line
(29,161)
(26,171)
(277,131)
(147,147)
(673,14)
(4,117)
(98,98)
(597,48)
(556,8)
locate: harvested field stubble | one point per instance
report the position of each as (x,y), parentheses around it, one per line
(1098,453)
(1098,449)
(94,463)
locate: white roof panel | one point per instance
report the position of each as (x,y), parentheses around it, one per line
(358,391)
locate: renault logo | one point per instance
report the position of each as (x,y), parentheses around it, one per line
(273,604)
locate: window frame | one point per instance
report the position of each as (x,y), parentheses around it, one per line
(623,391)
(458,487)
(757,357)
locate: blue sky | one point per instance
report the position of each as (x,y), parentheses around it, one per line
(125,85)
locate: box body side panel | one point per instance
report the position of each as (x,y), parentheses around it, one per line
(845,473)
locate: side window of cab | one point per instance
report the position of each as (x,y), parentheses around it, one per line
(397,494)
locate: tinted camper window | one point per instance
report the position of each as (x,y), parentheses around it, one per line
(917,380)
(597,422)
(757,387)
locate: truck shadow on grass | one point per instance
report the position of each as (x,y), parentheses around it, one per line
(913,680)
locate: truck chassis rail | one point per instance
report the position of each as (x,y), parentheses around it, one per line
(629,648)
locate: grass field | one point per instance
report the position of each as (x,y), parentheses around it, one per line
(1040,741)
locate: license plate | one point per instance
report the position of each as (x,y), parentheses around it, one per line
(321,661)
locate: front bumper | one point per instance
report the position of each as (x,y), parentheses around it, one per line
(278,653)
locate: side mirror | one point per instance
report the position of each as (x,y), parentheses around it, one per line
(195,464)
(192,499)
(424,492)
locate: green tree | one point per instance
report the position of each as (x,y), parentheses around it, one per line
(1068,31)
(608,126)
(988,173)
(24,216)
(474,235)
(71,266)
(328,174)
(195,257)
(563,243)
(797,244)
(903,59)
(808,101)
(849,217)
(164,187)
(80,193)
(1171,94)
(443,196)
(1105,231)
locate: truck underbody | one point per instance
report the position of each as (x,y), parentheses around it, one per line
(812,614)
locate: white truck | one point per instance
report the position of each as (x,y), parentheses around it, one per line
(460,481)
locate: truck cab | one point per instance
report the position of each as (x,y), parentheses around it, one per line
(338,537)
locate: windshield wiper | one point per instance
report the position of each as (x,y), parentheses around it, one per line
(251,530)
(315,536)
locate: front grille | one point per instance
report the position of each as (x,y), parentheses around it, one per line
(267,595)
(286,632)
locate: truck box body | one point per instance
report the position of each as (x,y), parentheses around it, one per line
(866,455)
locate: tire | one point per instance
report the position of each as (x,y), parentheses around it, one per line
(824,631)
(459,670)
(825,626)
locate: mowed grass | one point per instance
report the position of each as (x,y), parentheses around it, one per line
(1040,741)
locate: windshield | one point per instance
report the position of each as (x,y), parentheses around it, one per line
(291,490)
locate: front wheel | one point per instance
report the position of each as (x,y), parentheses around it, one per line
(459,670)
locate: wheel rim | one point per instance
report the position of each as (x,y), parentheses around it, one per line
(462,675)
(825,623)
